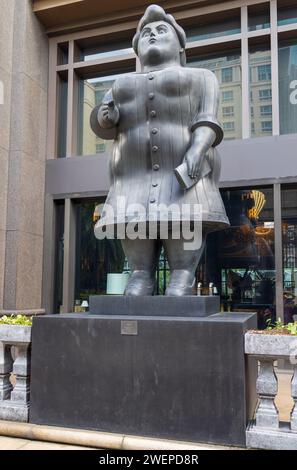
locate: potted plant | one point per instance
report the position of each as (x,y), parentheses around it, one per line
(15,351)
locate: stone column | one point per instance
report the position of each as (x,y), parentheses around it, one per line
(25,155)
(294,396)
(267,413)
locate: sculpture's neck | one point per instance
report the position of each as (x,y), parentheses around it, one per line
(164,65)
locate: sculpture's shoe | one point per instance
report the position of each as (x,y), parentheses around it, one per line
(182,282)
(140,283)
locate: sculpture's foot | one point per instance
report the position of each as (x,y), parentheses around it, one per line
(140,282)
(182,282)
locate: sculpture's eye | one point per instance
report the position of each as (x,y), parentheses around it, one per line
(162,29)
(145,33)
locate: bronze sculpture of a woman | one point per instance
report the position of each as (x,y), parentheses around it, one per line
(163,120)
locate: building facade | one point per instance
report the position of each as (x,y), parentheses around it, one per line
(57,62)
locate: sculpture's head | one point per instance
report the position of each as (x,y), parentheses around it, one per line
(159,38)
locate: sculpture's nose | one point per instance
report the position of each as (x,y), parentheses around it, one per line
(152,34)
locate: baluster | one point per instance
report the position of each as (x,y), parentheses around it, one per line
(21,368)
(5,371)
(294,396)
(267,413)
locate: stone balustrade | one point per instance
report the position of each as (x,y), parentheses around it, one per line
(266,431)
(15,355)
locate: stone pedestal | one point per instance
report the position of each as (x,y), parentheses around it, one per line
(156,305)
(179,378)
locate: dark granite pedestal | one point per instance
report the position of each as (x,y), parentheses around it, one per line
(156,305)
(171,377)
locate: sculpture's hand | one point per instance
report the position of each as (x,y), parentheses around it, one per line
(194,160)
(108,115)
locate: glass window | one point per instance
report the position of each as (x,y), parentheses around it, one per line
(287,59)
(240,260)
(100,49)
(266,126)
(211,26)
(100,148)
(227,75)
(95,259)
(228,126)
(286,14)
(266,110)
(227,95)
(162,274)
(62,117)
(264,72)
(59,256)
(228,111)
(91,93)
(62,50)
(265,94)
(259,16)
(225,66)
(260,89)
(289,231)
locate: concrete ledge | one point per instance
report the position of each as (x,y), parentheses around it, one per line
(281,439)
(98,440)
(14,411)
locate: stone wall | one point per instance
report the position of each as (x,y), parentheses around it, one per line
(23,120)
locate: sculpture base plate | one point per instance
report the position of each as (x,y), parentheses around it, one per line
(155,305)
(166,377)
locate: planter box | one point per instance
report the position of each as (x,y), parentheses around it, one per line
(267,432)
(15,334)
(14,401)
(274,346)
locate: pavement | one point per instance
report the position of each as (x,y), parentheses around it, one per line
(11,443)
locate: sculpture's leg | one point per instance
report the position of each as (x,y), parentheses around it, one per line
(183,264)
(143,256)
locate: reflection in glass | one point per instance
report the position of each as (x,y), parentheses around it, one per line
(105,50)
(91,93)
(287,59)
(162,274)
(259,16)
(240,260)
(59,256)
(211,27)
(260,91)
(227,68)
(289,232)
(286,15)
(94,258)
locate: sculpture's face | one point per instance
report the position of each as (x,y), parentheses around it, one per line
(157,41)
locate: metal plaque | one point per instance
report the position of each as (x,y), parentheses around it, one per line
(129,327)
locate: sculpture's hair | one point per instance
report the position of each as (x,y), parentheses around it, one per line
(156,13)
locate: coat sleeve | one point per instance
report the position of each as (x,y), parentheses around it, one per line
(108,134)
(208,107)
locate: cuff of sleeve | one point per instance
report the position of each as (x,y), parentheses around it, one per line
(213,124)
(103,133)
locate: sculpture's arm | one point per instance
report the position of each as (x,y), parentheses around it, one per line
(105,117)
(203,138)
(206,130)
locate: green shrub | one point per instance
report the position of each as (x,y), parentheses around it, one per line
(16,320)
(280,327)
